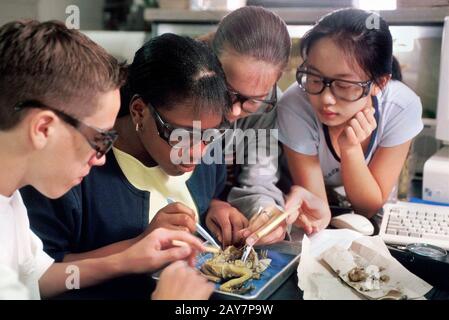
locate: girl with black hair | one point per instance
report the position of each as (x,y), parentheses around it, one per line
(173,81)
(349,121)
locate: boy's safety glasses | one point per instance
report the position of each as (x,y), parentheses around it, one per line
(100,140)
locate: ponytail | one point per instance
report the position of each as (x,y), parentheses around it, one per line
(396,72)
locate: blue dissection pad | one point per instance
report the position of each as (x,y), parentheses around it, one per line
(278,262)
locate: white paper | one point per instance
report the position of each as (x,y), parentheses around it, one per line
(317,280)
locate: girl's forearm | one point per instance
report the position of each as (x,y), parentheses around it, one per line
(361,187)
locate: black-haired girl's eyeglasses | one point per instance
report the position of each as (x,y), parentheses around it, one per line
(100,140)
(346,90)
(185,137)
(253,105)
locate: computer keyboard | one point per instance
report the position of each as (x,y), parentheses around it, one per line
(404,223)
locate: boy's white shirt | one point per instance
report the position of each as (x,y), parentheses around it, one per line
(20,249)
(10,286)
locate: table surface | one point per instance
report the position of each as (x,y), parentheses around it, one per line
(289,290)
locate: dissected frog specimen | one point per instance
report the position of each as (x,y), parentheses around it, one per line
(227,266)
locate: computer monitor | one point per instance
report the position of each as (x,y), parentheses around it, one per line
(436,169)
(442,131)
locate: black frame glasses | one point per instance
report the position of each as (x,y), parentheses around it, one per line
(165,130)
(100,140)
(301,77)
(242,99)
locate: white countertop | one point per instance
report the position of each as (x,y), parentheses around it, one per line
(412,16)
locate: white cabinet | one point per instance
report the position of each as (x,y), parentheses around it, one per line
(91,11)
